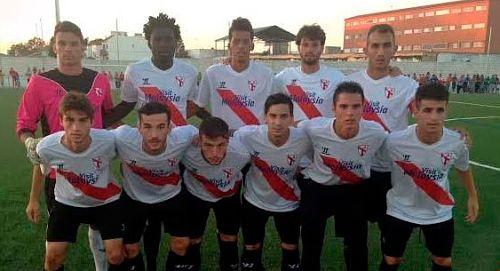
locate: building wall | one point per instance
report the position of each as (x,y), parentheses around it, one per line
(459,27)
(494,23)
(125,48)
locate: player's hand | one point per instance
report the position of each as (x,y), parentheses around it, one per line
(394,71)
(472,209)
(33,211)
(30,144)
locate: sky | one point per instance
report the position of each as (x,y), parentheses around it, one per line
(201,22)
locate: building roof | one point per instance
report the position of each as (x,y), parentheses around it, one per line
(413,8)
(271,33)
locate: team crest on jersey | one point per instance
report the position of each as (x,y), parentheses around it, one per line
(294,82)
(324,84)
(180,80)
(362,150)
(145,81)
(172,161)
(324,150)
(60,166)
(228,172)
(97,162)
(99,92)
(255,154)
(252,85)
(406,157)
(291,159)
(446,158)
(389,92)
(222,84)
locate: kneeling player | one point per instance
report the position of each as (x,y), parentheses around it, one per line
(421,157)
(270,185)
(213,180)
(150,158)
(84,190)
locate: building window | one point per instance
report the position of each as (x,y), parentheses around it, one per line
(355,23)
(408,32)
(466,26)
(417,47)
(400,48)
(454,45)
(382,20)
(347,37)
(348,24)
(375,20)
(468,9)
(440,46)
(360,50)
(480,8)
(455,10)
(478,44)
(417,30)
(391,19)
(452,27)
(479,26)
(465,44)
(427,46)
(398,33)
(429,13)
(442,12)
(421,14)
(408,16)
(439,28)
(407,48)
(427,30)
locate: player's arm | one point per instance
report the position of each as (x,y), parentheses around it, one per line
(473,200)
(33,208)
(28,115)
(118,112)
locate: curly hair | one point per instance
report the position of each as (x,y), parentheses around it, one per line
(162,20)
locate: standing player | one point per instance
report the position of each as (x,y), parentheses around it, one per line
(421,157)
(213,179)
(84,190)
(344,147)
(150,158)
(40,102)
(236,92)
(271,188)
(387,102)
(311,84)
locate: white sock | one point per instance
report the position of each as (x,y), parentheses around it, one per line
(97,248)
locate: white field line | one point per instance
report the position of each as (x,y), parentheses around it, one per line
(480,105)
(473,118)
(484,166)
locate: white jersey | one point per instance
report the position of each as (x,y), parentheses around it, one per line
(214,182)
(388,102)
(420,190)
(312,94)
(173,87)
(339,161)
(152,178)
(82,179)
(236,97)
(270,182)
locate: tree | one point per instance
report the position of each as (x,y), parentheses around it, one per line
(33,47)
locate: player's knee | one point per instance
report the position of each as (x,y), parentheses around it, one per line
(114,256)
(227,237)
(393,260)
(289,246)
(132,250)
(179,245)
(443,261)
(54,260)
(253,246)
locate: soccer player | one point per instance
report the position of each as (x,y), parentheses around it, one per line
(213,179)
(84,190)
(344,147)
(270,188)
(311,84)
(41,99)
(421,157)
(388,102)
(150,156)
(236,92)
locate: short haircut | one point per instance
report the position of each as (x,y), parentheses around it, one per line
(153,108)
(348,87)
(382,28)
(278,98)
(432,91)
(240,24)
(162,20)
(67,26)
(77,101)
(312,32)
(214,127)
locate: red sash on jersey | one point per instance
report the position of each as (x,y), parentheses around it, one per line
(177,117)
(304,102)
(371,115)
(343,173)
(242,112)
(88,189)
(173,178)
(433,190)
(277,184)
(212,188)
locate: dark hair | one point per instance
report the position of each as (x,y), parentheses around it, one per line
(313,32)
(153,108)
(240,24)
(432,91)
(382,28)
(76,101)
(278,98)
(214,127)
(67,26)
(162,20)
(348,87)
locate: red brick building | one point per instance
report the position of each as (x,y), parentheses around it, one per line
(469,26)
